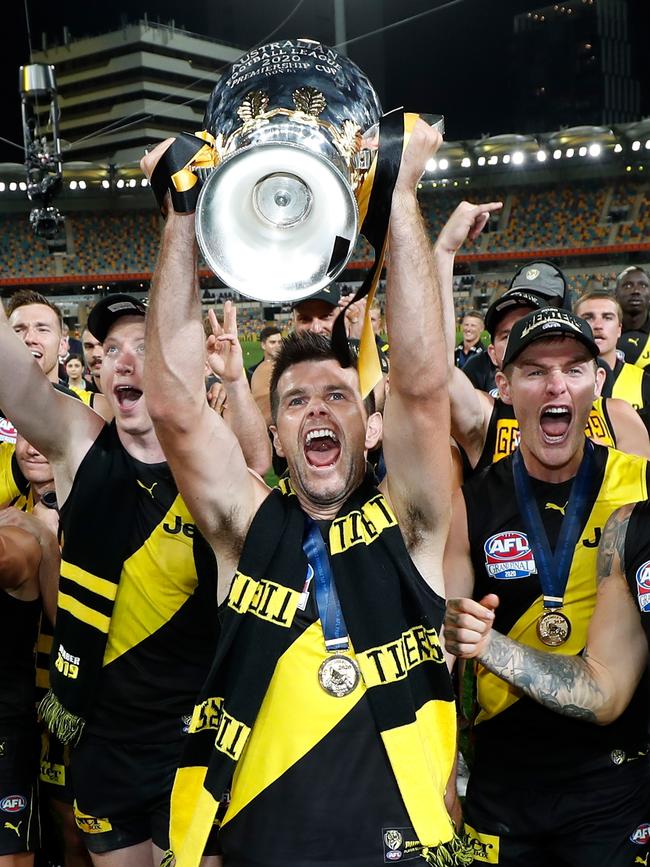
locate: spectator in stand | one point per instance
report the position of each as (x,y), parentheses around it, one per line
(93,353)
(633,294)
(472,326)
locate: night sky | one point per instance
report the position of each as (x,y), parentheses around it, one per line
(455,61)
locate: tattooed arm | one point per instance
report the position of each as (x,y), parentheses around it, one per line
(594,687)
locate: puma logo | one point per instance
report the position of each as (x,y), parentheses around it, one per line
(640,860)
(561,509)
(634,340)
(148,490)
(16,828)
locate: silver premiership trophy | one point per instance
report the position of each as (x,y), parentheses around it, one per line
(293,124)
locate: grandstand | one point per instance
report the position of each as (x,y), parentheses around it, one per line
(590,215)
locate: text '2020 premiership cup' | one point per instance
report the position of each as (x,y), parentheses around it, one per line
(277,218)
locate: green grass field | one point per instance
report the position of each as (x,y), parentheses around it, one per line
(252,352)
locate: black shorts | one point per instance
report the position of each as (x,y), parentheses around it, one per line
(54,776)
(19,824)
(122,792)
(598,817)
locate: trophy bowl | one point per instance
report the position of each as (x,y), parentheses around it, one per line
(277,218)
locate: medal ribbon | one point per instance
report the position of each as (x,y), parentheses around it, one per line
(327,599)
(553,569)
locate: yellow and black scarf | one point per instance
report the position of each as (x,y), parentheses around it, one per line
(387,608)
(90,574)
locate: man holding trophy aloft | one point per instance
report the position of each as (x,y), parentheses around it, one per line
(325,733)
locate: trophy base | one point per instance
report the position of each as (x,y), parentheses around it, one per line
(276,222)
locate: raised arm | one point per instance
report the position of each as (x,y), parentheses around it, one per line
(595,687)
(470,408)
(59,426)
(241,412)
(203,452)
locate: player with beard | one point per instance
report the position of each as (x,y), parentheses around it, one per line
(544,788)
(135,615)
(93,356)
(333,753)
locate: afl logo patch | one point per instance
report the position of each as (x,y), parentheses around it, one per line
(13,804)
(643,585)
(642,835)
(532,274)
(508,556)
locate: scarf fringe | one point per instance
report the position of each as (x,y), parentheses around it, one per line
(67,726)
(168,859)
(458,852)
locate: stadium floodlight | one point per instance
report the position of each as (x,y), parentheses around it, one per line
(120,184)
(480,161)
(106,184)
(432,165)
(518,158)
(647,145)
(465,163)
(636,145)
(13,186)
(582,152)
(493,160)
(443,164)
(541,156)
(506,159)
(73,185)
(618,147)
(2,186)
(595,149)
(557,153)
(132,182)
(569,153)
(82,185)
(144,182)
(22,186)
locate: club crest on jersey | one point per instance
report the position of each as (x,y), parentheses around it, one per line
(643,585)
(508,556)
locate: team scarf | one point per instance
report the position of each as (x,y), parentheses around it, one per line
(90,574)
(385,604)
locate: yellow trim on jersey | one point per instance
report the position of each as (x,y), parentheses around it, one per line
(193,814)
(624,482)
(295,715)
(598,428)
(629,385)
(83,612)
(144,603)
(100,586)
(422,781)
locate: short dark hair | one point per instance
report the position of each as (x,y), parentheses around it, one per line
(74,358)
(269,331)
(25,297)
(304,346)
(626,271)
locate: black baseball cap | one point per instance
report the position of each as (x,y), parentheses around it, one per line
(329,294)
(510,299)
(544,323)
(109,310)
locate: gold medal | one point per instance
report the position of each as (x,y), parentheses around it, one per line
(339,675)
(553,628)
